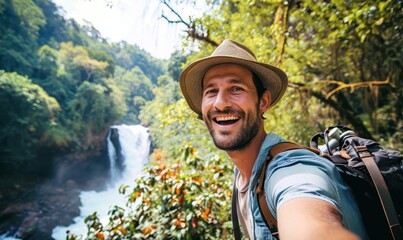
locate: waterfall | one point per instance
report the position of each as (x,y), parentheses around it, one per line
(128,149)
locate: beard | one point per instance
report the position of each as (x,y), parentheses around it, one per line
(242,138)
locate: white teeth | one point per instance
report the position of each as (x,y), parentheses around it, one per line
(226,118)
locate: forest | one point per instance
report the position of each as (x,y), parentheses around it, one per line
(62,85)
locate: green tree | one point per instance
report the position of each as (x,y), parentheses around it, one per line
(102,56)
(55,28)
(20,23)
(137,89)
(47,76)
(175,63)
(93,109)
(129,56)
(27,114)
(78,62)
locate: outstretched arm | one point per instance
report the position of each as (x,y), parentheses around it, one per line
(310,218)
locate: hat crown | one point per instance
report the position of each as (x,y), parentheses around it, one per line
(232,49)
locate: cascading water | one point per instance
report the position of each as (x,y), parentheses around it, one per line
(128,148)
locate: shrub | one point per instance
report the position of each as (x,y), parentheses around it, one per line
(186,198)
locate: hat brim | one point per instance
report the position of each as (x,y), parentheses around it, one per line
(273,79)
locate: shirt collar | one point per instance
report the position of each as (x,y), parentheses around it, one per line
(270,140)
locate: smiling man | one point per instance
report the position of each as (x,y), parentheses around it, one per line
(230,91)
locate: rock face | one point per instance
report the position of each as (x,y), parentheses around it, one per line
(114,138)
(34,210)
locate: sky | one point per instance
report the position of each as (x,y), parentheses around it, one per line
(134,21)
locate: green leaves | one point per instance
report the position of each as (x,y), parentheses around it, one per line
(27,112)
(31,16)
(95,106)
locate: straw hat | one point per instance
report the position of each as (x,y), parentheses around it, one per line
(273,79)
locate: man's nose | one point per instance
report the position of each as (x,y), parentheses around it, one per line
(222,101)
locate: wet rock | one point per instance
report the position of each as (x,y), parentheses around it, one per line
(30,211)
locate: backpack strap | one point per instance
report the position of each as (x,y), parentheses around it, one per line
(234,213)
(382,190)
(268,217)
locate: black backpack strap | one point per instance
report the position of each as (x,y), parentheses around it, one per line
(382,190)
(234,212)
(314,142)
(268,217)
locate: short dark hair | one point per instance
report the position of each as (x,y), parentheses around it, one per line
(260,89)
(259,85)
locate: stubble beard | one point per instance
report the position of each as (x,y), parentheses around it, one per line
(243,137)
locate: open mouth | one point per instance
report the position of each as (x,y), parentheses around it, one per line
(226,120)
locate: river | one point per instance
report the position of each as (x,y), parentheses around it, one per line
(128,152)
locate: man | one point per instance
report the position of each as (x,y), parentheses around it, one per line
(230,91)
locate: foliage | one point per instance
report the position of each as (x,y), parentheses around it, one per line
(27,114)
(20,24)
(47,76)
(175,63)
(95,107)
(137,90)
(77,60)
(184,198)
(129,56)
(54,30)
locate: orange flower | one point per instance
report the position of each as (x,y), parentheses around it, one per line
(207,211)
(197,180)
(100,235)
(148,230)
(205,217)
(122,230)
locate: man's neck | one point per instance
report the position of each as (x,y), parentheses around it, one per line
(245,159)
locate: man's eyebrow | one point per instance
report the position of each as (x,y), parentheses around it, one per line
(208,85)
(235,80)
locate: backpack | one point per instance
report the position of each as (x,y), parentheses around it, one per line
(374,174)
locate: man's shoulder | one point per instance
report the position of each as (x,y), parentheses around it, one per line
(271,140)
(300,156)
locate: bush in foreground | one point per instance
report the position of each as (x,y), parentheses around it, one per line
(185,198)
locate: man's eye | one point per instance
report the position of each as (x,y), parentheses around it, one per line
(211,91)
(237,89)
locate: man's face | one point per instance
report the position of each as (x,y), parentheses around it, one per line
(230,106)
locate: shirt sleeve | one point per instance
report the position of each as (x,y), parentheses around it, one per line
(295,175)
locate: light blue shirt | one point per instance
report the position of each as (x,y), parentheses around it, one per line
(300,173)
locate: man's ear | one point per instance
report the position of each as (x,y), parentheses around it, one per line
(265,101)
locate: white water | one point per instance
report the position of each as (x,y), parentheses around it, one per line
(135,149)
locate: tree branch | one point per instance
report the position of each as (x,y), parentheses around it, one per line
(176,14)
(352,86)
(343,108)
(191,26)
